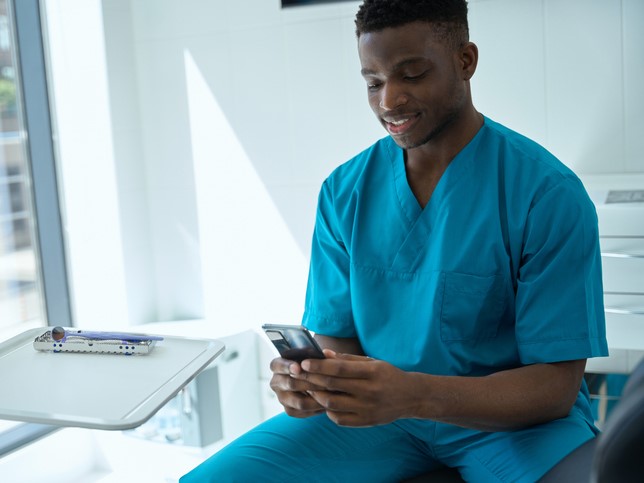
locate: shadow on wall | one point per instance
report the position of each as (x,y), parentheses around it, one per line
(296,108)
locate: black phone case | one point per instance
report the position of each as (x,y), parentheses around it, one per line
(293,342)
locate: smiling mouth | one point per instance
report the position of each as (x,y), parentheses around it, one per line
(399,124)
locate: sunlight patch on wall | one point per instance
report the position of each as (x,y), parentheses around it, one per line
(253,269)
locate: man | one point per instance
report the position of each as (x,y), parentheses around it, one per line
(455,283)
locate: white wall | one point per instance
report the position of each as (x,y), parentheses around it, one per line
(217,122)
(567,73)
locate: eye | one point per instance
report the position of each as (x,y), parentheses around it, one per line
(373,86)
(414,77)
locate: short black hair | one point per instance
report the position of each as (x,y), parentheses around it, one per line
(449,16)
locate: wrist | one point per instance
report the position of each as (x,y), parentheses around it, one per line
(425,403)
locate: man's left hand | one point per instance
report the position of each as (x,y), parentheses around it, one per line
(360,391)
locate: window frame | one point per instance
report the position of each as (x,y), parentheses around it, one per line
(50,246)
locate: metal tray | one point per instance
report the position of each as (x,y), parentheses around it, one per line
(99,391)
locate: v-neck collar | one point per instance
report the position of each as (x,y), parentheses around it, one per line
(420,220)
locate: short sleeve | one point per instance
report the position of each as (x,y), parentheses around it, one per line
(328,299)
(559,299)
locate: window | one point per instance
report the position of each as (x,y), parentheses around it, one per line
(33,278)
(21,301)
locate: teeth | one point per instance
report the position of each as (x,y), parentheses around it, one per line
(398,123)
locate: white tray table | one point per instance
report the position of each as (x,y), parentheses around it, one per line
(99,391)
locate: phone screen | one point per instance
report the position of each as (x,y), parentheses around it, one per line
(293,342)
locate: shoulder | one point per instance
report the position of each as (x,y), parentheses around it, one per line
(529,169)
(517,149)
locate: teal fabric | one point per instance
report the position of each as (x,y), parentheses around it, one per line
(291,450)
(500,269)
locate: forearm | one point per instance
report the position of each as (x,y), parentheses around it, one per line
(502,401)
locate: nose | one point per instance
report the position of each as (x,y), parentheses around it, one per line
(391,97)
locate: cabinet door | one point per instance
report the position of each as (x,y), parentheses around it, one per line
(623,264)
(624,320)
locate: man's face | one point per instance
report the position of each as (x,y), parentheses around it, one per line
(414,84)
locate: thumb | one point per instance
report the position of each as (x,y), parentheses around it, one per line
(330,354)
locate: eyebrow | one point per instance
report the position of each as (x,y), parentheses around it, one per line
(399,65)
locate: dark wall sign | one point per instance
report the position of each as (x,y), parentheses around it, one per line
(300,3)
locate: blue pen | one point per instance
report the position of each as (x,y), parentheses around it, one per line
(60,334)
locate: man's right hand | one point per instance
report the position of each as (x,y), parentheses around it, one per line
(292,393)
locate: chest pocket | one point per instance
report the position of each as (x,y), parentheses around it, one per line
(472,306)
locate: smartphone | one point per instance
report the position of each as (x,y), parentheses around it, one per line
(293,342)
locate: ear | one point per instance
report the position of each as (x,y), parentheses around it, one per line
(468,57)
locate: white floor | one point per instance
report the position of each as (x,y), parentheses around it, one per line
(76,455)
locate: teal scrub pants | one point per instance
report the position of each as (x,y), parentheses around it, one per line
(285,449)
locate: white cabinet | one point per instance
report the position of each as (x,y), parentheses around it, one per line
(224,400)
(621,231)
(623,264)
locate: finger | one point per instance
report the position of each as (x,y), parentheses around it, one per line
(331,354)
(348,385)
(294,413)
(334,401)
(284,366)
(281,382)
(352,357)
(299,404)
(350,420)
(354,367)
(343,411)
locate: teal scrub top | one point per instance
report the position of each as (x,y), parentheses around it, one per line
(500,269)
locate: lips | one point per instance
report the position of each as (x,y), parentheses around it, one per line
(399,124)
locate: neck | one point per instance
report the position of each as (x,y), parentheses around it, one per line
(426,164)
(439,151)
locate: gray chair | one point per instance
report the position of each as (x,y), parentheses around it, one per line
(616,455)
(444,475)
